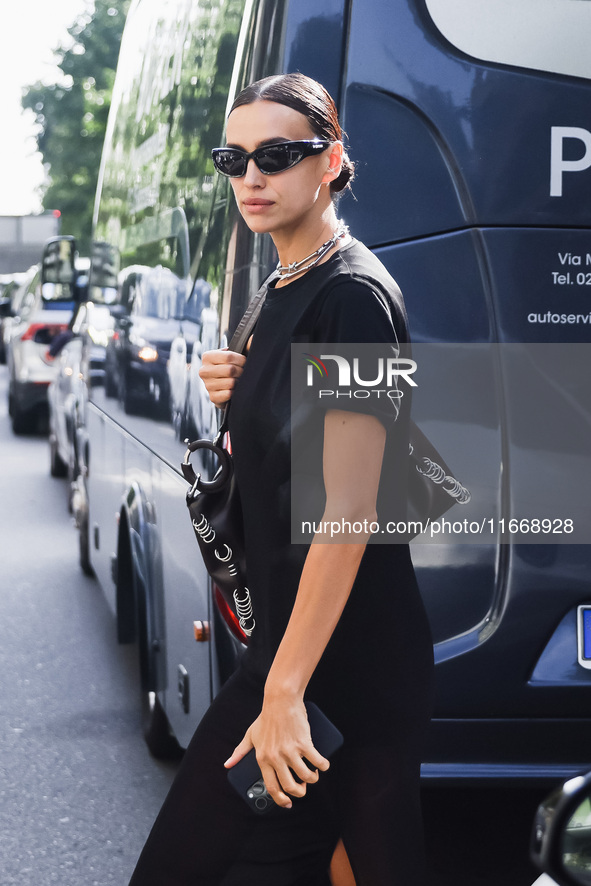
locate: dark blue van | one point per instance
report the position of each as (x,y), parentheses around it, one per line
(472,137)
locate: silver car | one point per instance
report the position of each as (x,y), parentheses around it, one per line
(76,364)
(40,315)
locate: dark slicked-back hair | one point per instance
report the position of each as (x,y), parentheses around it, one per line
(309,98)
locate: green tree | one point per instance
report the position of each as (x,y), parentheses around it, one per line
(72,115)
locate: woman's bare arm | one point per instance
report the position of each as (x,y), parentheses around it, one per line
(353,452)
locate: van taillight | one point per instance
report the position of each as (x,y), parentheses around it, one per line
(229,616)
(42,333)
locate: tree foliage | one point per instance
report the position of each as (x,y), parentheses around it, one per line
(72,115)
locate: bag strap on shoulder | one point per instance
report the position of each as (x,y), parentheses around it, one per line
(239,341)
(248,321)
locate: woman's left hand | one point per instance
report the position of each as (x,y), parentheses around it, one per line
(281,738)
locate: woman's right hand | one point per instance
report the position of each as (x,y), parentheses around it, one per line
(219,371)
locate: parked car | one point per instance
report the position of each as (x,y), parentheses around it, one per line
(5,281)
(145,325)
(561,838)
(42,312)
(75,366)
(9,290)
(6,284)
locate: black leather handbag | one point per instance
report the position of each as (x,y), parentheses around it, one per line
(216,512)
(214,505)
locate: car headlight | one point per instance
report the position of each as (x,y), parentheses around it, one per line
(147,354)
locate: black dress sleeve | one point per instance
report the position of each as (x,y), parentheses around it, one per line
(355,312)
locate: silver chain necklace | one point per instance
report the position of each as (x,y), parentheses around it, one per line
(297,267)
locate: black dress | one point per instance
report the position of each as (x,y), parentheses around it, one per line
(374,678)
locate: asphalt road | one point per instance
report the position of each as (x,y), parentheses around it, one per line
(78,788)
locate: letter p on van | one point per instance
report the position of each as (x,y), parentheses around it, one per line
(558,165)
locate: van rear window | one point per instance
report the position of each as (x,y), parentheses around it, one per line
(546,35)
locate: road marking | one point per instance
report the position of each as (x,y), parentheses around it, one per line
(545,880)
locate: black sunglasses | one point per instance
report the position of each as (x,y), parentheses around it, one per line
(270,159)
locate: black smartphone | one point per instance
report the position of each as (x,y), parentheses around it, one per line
(246,777)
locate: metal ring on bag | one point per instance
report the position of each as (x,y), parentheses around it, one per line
(223,474)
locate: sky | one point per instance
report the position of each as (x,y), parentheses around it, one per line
(29,30)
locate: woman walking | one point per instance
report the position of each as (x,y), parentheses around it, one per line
(340,624)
